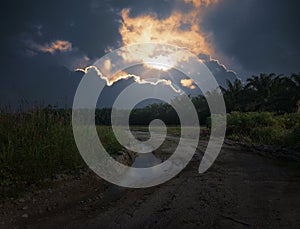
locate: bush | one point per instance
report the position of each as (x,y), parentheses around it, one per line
(264,128)
(268,135)
(294,137)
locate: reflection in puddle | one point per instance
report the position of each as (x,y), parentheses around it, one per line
(145,160)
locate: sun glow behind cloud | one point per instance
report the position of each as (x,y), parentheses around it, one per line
(178,29)
(181,29)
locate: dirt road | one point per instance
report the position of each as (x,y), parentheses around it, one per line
(242,189)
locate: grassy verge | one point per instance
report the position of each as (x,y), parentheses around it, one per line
(37,145)
(253,127)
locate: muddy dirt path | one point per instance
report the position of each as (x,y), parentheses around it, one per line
(242,189)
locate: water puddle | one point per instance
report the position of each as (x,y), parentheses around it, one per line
(146,160)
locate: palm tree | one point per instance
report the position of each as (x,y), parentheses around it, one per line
(260,88)
(283,97)
(296,79)
(234,95)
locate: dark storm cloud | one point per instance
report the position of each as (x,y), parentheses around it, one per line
(250,37)
(256,35)
(77,21)
(28,27)
(31,73)
(162,8)
(30,79)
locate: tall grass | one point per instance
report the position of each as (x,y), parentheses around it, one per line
(39,144)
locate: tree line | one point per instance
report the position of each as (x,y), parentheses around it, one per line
(273,93)
(267,92)
(263,93)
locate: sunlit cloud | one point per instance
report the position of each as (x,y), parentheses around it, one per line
(124,75)
(62,52)
(53,47)
(180,29)
(107,65)
(198,3)
(189,83)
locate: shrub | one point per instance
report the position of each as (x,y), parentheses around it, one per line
(264,128)
(294,137)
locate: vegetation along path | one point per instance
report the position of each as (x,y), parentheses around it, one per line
(246,187)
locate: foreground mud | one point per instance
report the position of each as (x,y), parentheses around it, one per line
(244,188)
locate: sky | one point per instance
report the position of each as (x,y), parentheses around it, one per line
(43,42)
